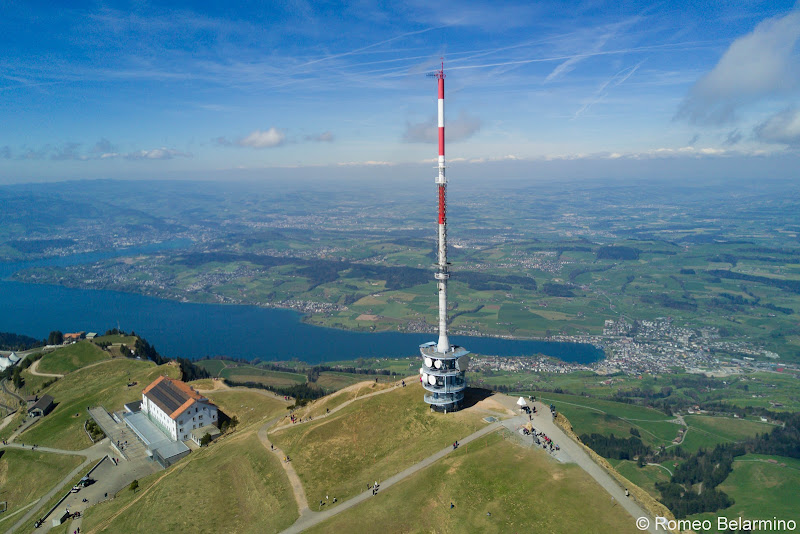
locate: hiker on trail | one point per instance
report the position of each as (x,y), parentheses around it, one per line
(627,493)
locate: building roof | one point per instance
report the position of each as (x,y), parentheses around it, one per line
(173,397)
(153,437)
(43,403)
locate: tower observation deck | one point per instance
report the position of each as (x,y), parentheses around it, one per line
(443,365)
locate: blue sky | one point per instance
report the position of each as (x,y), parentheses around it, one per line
(147,89)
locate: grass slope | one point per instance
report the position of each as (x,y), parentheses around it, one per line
(644,477)
(761,489)
(523,489)
(27,475)
(72,357)
(329,402)
(248,406)
(370,440)
(104,385)
(234,485)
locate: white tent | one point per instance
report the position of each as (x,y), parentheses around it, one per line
(521,402)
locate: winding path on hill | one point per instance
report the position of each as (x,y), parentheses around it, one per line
(297,486)
(9,392)
(34,370)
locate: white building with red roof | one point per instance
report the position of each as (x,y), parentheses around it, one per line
(177,409)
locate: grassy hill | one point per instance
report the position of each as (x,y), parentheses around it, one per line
(370,440)
(26,475)
(106,385)
(72,357)
(522,488)
(248,406)
(235,485)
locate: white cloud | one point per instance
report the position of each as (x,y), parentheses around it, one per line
(264,139)
(462,127)
(761,64)
(783,128)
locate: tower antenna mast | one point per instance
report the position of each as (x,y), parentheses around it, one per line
(444,365)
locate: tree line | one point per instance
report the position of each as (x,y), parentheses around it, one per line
(613,447)
(11,341)
(692,487)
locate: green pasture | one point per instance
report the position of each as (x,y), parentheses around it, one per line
(71,357)
(494,486)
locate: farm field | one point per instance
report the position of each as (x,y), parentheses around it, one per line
(589,415)
(707,432)
(249,373)
(239,372)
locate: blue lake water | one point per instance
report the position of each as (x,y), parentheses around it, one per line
(198,330)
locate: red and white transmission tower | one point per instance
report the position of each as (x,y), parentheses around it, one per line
(443,365)
(442,274)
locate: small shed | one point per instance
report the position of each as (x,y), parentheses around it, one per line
(42,406)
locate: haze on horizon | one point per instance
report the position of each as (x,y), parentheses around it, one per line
(161,90)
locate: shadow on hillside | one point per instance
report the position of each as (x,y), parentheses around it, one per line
(473,396)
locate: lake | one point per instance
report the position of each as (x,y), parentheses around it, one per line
(198,330)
